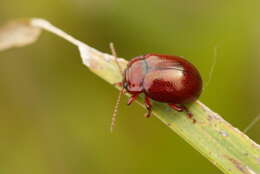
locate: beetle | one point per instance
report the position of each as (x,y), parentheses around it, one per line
(164,78)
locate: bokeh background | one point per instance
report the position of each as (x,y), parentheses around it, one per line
(55,114)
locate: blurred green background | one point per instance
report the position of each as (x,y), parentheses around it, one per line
(55,114)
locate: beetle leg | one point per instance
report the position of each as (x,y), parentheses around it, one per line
(176,107)
(181,108)
(148,106)
(132,98)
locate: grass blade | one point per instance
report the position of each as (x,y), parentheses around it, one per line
(225,146)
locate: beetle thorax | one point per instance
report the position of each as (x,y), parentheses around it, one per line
(134,75)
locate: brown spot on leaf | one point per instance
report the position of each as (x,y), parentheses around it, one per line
(209,118)
(239,165)
(168,124)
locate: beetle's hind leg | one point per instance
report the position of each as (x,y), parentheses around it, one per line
(178,108)
(182,108)
(148,106)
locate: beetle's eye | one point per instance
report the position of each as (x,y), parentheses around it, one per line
(125,85)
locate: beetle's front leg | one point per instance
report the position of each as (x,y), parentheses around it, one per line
(148,106)
(132,98)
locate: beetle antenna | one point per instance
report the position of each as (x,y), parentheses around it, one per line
(113,50)
(252,124)
(113,122)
